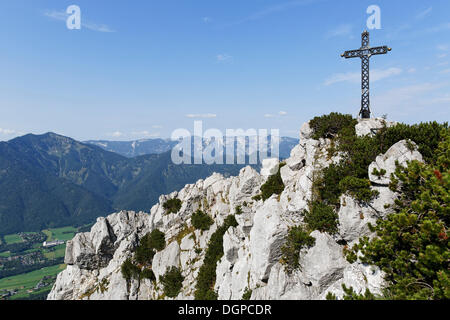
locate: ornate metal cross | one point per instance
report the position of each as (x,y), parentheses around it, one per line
(365,52)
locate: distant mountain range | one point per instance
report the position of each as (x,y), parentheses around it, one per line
(136,148)
(131,149)
(50,181)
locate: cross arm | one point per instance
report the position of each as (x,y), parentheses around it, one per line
(379,50)
(352,54)
(359,53)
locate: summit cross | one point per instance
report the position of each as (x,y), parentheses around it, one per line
(365,52)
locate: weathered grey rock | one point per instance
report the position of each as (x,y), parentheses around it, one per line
(266,238)
(371,126)
(252,250)
(324,263)
(269,167)
(305,132)
(401,152)
(282,286)
(297,160)
(163,260)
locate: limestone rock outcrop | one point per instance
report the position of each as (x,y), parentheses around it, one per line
(400,153)
(252,250)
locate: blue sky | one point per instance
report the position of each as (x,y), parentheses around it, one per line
(140,69)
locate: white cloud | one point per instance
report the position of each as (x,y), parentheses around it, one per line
(223,57)
(62,16)
(340,31)
(446,71)
(445,99)
(424,13)
(355,77)
(157,126)
(117,134)
(412,70)
(202,115)
(207,19)
(97,27)
(7,132)
(57,15)
(405,99)
(146,134)
(271,115)
(439,28)
(444,50)
(271,10)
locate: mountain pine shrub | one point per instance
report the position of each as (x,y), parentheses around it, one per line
(204,289)
(247,294)
(172,205)
(172,282)
(273,185)
(328,126)
(147,273)
(412,244)
(130,270)
(201,220)
(359,189)
(321,217)
(297,239)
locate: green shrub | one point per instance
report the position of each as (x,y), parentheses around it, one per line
(230,221)
(129,270)
(172,282)
(238,210)
(172,205)
(328,126)
(148,274)
(426,135)
(297,239)
(412,244)
(331,296)
(350,294)
(327,185)
(257,197)
(359,189)
(152,241)
(201,220)
(273,185)
(377,173)
(204,289)
(157,240)
(247,294)
(144,255)
(322,217)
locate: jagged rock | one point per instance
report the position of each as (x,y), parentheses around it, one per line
(305,132)
(269,167)
(324,263)
(401,152)
(358,277)
(297,160)
(266,238)
(282,286)
(233,270)
(163,260)
(371,126)
(252,250)
(246,186)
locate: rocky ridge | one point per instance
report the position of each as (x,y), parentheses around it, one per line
(252,254)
